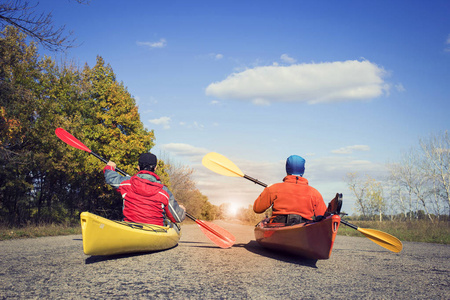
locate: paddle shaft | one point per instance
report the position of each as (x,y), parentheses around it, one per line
(256,181)
(76,143)
(349,224)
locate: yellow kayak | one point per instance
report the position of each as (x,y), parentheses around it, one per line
(106,237)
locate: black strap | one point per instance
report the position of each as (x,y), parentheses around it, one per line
(289,219)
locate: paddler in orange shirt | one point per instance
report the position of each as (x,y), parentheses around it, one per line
(293,201)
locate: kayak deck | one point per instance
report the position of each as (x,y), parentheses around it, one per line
(106,237)
(309,240)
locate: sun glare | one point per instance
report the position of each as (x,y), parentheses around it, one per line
(233,209)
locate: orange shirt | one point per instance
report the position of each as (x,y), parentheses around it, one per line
(292,196)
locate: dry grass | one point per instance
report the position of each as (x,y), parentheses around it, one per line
(411,231)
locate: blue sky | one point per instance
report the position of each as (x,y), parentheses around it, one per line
(348,85)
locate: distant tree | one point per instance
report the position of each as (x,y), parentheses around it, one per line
(436,150)
(248,216)
(24,16)
(405,176)
(185,192)
(358,187)
(412,175)
(375,198)
(209,211)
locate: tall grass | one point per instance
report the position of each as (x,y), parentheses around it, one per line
(411,231)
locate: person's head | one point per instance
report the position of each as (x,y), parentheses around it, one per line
(295,165)
(147,161)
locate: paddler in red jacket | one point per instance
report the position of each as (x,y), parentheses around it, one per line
(293,201)
(145,198)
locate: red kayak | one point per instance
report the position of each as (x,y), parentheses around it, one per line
(309,240)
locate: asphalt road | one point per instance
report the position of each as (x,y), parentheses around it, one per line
(57,268)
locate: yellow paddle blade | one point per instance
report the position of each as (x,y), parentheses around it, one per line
(222,165)
(383,239)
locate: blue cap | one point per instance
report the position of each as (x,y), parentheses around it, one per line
(295,165)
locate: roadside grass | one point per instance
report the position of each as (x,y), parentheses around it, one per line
(411,231)
(33,231)
(414,231)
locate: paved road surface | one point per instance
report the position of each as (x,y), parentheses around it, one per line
(56,268)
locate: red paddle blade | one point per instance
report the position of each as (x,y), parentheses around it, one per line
(71,140)
(216,234)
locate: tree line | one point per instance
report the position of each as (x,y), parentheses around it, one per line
(41,178)
(418,186)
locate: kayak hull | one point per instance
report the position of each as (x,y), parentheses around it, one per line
(106,237)
(308,240)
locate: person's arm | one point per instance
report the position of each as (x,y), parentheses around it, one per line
(174,211)
(263,202)
(113,178)
(320,207)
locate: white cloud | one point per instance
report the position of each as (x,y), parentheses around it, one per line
(287,59)
(159,44)
(192,125)
(214,56)
(400,87)
(195,154)
(164,121)
(350,149)
(312,83)
(447,42)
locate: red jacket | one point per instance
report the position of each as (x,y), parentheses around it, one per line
(292,196)
(145,199)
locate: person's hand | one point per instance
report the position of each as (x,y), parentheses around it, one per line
(182,206)
(111,164)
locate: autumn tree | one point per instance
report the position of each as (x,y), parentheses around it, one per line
(42,178)
(185,192)
(19,81)
(248,216)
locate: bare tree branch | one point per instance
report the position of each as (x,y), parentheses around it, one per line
(39,26)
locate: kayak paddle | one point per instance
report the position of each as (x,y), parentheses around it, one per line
(74,142)
(216,234)
(222,165)
(381,238)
